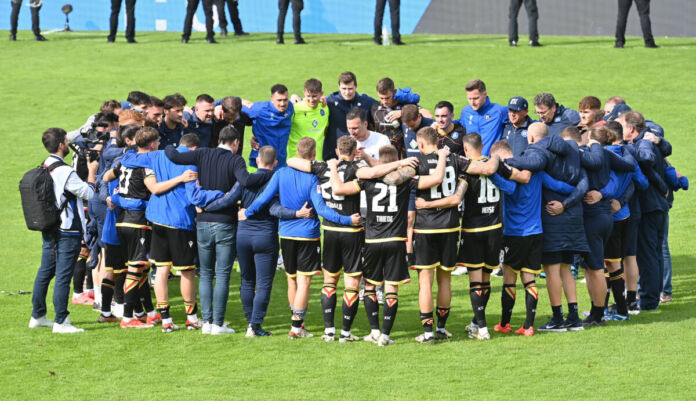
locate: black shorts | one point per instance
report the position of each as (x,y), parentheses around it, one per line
(597,231)
(435,250)
(173,247)
(480,250)
(135,238)
(630,245)
(115,259)
(614,250)
(342,250)
(563,257)
(301,256)
(523,253)
(385,262)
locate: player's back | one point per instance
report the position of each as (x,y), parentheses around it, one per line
(437,218)
(482,204)
(294,189)
(387,208)
(344,205)
(522,210)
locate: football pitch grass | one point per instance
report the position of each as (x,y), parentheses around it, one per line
(61,82)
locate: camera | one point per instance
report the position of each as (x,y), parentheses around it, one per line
(92,136)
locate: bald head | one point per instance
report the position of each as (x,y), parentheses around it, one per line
(537,132)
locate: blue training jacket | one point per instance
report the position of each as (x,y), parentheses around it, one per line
(173,208)
(521,205)
(270,127)
(488,121)
(563,118)
(294,189)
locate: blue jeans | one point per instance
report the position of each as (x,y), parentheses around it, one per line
(58,258)
(667,266)
(651,236)
(258,254)
(216,243)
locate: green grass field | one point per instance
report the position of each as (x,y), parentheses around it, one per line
(61,82)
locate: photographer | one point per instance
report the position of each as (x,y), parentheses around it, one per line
(113,106)
(93,143)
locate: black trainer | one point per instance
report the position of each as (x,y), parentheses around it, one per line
(555,325)
(592,322)
(573,324)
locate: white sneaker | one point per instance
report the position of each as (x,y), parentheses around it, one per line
(384,341)
(380,296)
(328,337)
(482,334)
(472,329)
(66,328)
(206,329)
(217,330)
(40,322)
(459,271)
(279,264)
(371,338)
(250,332)
(117,310)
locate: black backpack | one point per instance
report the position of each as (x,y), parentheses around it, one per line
(39,199)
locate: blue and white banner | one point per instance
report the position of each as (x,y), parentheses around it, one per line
(318,16)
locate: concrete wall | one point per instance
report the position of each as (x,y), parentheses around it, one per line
(557,17)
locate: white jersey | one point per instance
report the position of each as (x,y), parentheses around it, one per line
(372,144)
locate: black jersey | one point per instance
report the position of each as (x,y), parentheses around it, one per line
(387,209)
(344,205)
(482,205)
(452,139)
(391,129)
(438,220)
(131,184)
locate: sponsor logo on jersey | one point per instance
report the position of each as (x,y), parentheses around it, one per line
(321,112)
(455,135)
(524,133)
(413,144)
(557,119)
(487,116)
(315,123)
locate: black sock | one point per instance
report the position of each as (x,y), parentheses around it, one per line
(131,293)
(607,278)
(507,301)
(372,308)
(618,285)
(573,311)
(391,305)
(79,274)
(163,309)
(631,297)
(144,292)
(596,313)
(351,300)
(486,287)
(557,312)
(531,300)
(442,315)
(90,281)
(328,303)
(427,321)
(476,297)
(107,293)
(119,282)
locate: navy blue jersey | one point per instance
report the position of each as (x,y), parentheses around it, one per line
(517,136)
(410,142)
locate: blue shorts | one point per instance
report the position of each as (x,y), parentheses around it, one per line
(597,230)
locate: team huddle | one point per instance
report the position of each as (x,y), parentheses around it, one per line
(397,188)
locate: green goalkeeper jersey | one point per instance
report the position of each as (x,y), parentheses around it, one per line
(308,122)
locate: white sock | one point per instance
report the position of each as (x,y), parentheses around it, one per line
(152,313)
(345,333)
(91,291)
(97,293)
(192,318)
(295,329)
(483,330)
(440,329)
(127,319)
(330,331)
(76,295)
(106,314)
(139,314)
(385,336)
(167,321)
(375,333)
(428,334)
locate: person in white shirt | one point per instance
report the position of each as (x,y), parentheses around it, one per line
(61,247)
(369,142)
